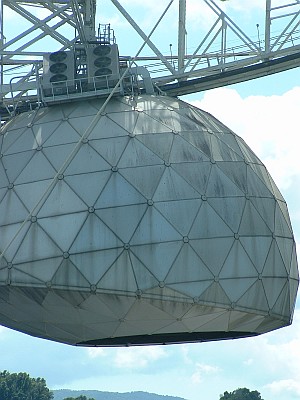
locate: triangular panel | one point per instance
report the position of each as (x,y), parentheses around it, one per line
(37,169)
(118,307)
(82,123)
(11,237)
(235,288)
(247,152)
(11,209)
(119,192)
(201,319)
(93,236)
(86,160)
(180,214)
(144,179)
(21,277)
(126,120)
(294,273)
(182,151)
(63,134)
(57,155)
(257,249)
(88,186)
(286,250)
(110,149)
(255,186)
(120,276)
(221,151)
(42,269)
(237,173)
(136,154)
(266,209)
(143,276)
(213,252)
(215,294)
(218,324)
(191,289)
(61,200)
(252,223)
(201,141)
(94,264)
(209,224)
(96,310)
(238,264)
(160,144)
(188,267)
(24,142)
(173,187)
(273,288)
(123,220)
(274,266)
(282,226)
(230,210)
(3,176)
(63,229)
(154,229)
(106,128)
(255,298)
(197,175)
(157,258)
(31,193)
(242,321)
(221,186)
(14,135)
(276,191)
(15,164)
(37,245)
(146,124)
(69,276)
(282,305)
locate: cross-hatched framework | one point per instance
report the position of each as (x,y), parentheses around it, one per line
(224,54)
(162,227)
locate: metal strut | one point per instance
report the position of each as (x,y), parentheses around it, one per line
(224,54)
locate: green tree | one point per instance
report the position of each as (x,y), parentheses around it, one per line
(241,394)
(78,398)
(19,386)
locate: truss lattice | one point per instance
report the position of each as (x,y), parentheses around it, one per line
(224,53)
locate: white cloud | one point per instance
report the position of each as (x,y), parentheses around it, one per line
(202,370)
(136,358)
(283,386)
(278,354)
(185,350)
(268,124)
(96,352)
(245,6)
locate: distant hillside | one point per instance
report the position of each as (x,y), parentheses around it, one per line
(61,394)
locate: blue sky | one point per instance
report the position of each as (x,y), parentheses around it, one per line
(265,112)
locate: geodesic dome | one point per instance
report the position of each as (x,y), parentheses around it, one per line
(158,226)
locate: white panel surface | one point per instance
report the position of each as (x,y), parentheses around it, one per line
(163,227)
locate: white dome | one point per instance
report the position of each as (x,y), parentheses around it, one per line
(163,227)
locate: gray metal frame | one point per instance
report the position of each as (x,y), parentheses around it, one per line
(213,63)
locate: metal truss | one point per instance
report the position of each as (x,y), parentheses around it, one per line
(224,54)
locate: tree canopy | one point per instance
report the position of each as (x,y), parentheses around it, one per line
(241,394)
(19,386)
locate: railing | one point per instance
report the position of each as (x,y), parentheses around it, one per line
(78,88)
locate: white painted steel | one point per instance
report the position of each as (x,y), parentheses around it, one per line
(224,54)
(164,227)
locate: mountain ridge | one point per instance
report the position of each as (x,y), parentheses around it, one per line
(99,395)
